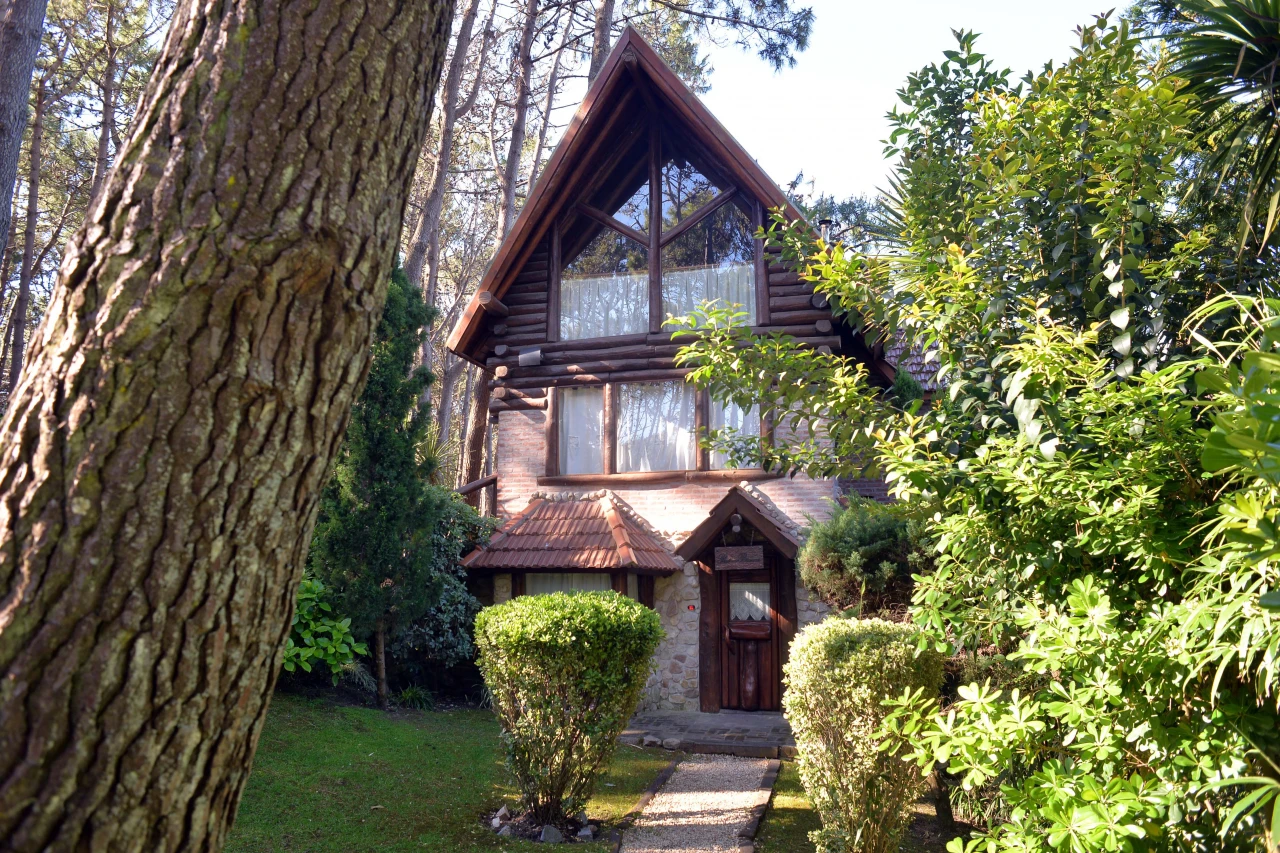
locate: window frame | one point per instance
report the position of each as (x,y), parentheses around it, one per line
(656,239)
(609,442)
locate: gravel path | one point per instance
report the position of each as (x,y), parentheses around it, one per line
(701,808)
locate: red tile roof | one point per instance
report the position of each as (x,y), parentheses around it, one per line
(596,532)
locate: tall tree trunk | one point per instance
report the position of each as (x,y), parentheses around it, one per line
(600,38)
(21,22)
(380,665)
(27,270)
(107,90)
(448,383)
(428,224)
(162,458)
(549,103)
(520,105)
(6,266)
(477,422)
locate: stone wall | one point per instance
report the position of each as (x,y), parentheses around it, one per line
(674,683)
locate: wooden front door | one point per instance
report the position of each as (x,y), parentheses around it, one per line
(749,679)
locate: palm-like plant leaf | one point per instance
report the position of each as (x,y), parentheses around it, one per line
(1230,59)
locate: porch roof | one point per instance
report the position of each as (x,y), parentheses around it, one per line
(597,532)
(756,510)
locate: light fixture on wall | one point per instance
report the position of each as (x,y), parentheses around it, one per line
(736,521)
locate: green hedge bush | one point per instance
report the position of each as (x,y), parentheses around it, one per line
(565,672)
(866,550)
(838,675)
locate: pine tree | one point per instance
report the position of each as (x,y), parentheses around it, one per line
(378,543)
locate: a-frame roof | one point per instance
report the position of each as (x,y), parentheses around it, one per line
(631,65)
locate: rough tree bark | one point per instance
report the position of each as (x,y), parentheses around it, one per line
(163,455)
(600,38)
(21,22)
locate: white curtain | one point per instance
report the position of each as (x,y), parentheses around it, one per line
(656,427)
(733,284)
(603,306)
(732,416)
(581,414)
(542,583)
(749,601)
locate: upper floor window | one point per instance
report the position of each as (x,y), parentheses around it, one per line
(646,427)
(629,259)
(604,290)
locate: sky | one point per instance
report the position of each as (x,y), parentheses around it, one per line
(825,116)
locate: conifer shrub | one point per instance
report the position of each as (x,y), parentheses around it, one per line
(865,550)
(838,675)
(565,672)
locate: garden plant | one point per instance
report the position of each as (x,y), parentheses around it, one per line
(839,675)
(565,672)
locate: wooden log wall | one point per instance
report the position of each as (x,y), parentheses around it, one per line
(794,309)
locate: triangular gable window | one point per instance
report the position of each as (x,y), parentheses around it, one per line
(609,283)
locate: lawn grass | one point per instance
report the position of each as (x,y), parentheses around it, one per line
(789,819)
(335,778)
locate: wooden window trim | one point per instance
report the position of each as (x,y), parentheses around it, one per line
(655,228)
(700,214)
(611,222)
(609,445)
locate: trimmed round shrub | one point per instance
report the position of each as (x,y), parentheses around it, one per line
(838,675)
(565,672)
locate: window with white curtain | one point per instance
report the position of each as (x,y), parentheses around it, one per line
(745,423)
(749,602)
(581,415)
(543,583)
(604,291)
(657,430)
(714,261)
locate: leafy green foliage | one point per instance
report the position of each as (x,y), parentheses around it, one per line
(1228,58)
(864,548)
(565,672)
(318,637)
(387,542)
(838,676)
(1087,521)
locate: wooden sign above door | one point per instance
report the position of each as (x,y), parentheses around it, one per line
(740,558)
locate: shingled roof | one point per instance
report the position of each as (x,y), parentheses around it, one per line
(597,532)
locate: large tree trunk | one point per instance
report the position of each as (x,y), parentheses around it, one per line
(524,77)
(162,458)
(21,22)
(27,270)
(600,38)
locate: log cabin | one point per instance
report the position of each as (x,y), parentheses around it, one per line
(646,208)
